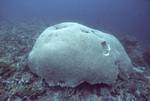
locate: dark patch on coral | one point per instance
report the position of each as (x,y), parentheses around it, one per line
(85,31)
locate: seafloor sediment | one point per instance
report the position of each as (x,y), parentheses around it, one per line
(17,83)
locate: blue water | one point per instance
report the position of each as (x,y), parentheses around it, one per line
(113,16)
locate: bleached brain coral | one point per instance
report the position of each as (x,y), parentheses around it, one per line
(69,53)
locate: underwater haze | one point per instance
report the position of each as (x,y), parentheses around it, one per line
(119,17)
(76,53)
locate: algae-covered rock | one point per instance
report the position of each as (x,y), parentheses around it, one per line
(69,53)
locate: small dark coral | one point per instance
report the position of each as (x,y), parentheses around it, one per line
(129,43)
(132,41)
(146,56)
